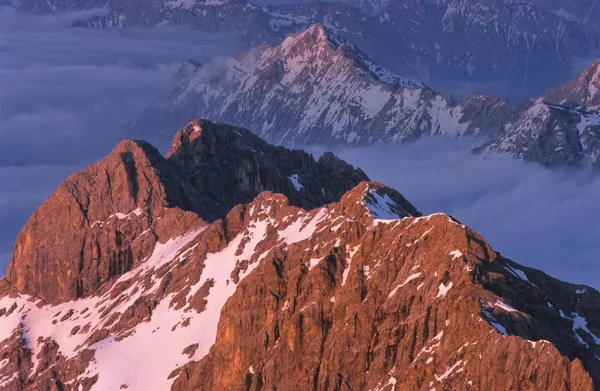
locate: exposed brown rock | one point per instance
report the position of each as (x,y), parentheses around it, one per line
(295,327)
(106,219)
(97,225)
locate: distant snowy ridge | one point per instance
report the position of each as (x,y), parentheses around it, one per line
(317,88)
(561,127)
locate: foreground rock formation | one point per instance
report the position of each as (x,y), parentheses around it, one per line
(235,265)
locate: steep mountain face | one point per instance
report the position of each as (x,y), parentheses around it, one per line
(491,43)
(583,11)
(404,304)
(360,292)
(101,222)
(562,127)
(507,49)
(242,165)
(83,235)
(317,88)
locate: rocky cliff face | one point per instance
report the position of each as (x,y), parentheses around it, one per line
(241,165)
(318,88)
(355,290)
(405,305)
(84,234)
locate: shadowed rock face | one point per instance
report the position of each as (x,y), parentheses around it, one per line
(230,165)
(104,220)
(358,293)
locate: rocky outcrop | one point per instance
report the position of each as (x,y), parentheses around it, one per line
(103,221)
(99,224)
(361,292)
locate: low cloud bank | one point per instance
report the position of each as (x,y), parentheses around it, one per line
(541,218)
(65,92)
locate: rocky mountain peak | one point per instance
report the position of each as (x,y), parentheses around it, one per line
(243,165)
(590,81)
(560,127)
(317,42)
(84,233)
(374,201)
(330,92)
(315,33)
(104,220)
(183,138)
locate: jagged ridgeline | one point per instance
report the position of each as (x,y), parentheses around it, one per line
(232,264)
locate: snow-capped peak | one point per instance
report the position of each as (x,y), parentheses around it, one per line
(317,87)
(318,39)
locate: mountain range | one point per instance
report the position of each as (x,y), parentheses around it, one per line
(583,11)
(504,48)
(317,88)
(231,264)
